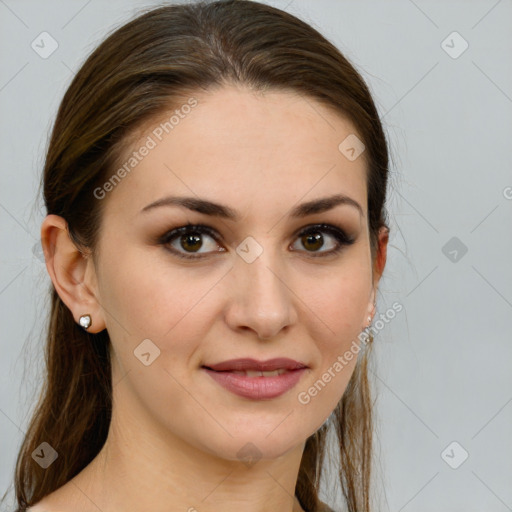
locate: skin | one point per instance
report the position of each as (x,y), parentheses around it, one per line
(175,432)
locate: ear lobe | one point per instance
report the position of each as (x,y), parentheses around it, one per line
(67,267)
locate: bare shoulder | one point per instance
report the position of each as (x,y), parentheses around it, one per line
(46,505)
(70,497)
(54,502)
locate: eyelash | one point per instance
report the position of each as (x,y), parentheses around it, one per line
(341,237)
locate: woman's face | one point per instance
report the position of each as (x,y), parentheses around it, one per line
(252,285)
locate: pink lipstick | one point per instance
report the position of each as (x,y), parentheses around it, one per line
(257,380)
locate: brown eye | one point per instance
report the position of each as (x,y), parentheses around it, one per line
(191,242)
(313,239)
(189,239)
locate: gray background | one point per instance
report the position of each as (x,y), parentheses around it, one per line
(442,365)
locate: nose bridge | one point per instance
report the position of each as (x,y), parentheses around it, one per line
(262,299)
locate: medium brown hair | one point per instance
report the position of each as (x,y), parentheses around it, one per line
(133,76)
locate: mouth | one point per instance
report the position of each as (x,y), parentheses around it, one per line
(249,364)
(256,373)
(257,380)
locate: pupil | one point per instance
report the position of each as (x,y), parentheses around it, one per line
(315,239)
(193,241)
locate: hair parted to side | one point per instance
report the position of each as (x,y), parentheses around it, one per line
(139,71)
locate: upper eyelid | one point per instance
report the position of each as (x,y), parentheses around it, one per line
(321,226)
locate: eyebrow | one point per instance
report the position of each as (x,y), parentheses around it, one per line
(218,210)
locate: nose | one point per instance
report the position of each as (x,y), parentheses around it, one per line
(262,300)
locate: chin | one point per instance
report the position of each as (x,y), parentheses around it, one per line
(252,444)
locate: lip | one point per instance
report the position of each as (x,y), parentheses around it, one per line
(277,363)
(257,388)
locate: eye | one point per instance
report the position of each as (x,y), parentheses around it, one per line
(189,238)
(312,239)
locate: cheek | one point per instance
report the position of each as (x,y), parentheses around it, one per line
(340,310)
(148,297)
(172,307)
(342,307)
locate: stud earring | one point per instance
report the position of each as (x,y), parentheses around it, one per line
(85,321)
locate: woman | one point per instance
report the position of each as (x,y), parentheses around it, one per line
(215,186)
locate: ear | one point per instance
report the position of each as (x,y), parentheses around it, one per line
(378,269)
(72,272)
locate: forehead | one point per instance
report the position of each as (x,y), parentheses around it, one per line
(271,148)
